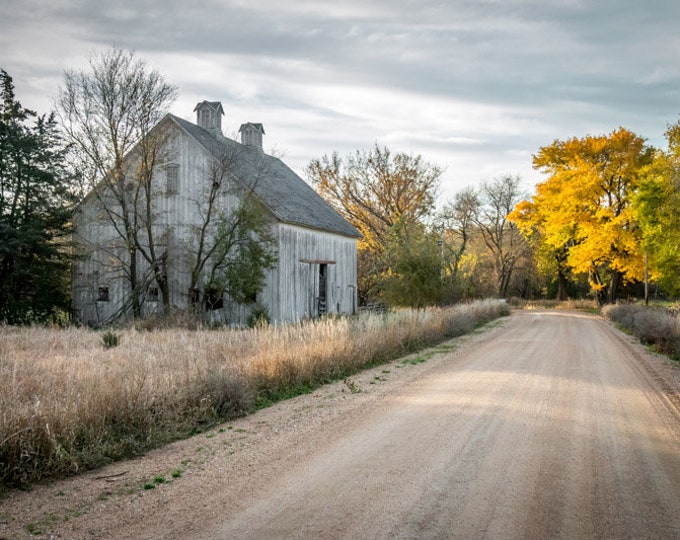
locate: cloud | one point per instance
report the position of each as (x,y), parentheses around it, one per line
(476,86)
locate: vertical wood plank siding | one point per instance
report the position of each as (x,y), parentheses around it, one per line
(291,291)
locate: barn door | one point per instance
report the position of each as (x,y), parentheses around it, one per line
(323,288)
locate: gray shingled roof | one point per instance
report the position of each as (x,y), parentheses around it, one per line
(283,192)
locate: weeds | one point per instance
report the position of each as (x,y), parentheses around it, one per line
(655,326)
(352,386)
(584,304)
(67,406)
(110,339)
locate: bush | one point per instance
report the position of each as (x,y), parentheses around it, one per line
(110,339)
(655,326)
(259,317)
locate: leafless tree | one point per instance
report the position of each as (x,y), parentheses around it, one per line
(456,221)
(502,238)
(108,112)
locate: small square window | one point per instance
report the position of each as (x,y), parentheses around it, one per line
(103,294)
(152,295)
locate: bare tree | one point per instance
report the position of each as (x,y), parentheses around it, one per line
(108,112)
(455,221)
(501,236)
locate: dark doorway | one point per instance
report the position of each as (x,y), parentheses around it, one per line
(323,288)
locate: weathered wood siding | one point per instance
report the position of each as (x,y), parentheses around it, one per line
(292,289)
(177,216)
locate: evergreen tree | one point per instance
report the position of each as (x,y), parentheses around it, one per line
(35,205)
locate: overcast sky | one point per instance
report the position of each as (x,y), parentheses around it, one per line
(475,86)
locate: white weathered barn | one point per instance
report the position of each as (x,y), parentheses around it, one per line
(316,271)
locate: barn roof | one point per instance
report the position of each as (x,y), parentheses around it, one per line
(278,187)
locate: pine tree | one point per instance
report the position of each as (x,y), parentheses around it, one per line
(35,203)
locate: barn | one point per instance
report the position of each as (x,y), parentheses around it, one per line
(316,268)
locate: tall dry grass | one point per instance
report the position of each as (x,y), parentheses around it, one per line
(657,326)
(586,304)
(67,404)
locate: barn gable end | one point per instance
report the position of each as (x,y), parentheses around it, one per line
(316,270)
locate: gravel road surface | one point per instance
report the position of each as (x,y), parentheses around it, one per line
(551,424)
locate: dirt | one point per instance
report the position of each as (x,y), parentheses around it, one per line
(548,425)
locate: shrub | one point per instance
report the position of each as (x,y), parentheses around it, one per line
(259,317)
(655,326)
(110,339)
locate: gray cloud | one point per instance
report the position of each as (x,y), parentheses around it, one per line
(477,85)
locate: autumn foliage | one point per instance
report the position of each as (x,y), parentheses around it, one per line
(383,194)
(582,217)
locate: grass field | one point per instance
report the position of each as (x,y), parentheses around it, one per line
(72,399)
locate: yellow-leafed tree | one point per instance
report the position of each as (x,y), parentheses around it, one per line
(582,216)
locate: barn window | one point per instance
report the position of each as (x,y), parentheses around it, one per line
(152,295)
(194,296)
(214,298)
(103,294)
(172,178)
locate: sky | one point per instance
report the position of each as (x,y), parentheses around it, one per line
(473,86)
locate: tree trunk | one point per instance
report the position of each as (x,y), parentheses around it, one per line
(161,276)
(134,285)
(562,283)
(614,283)
(600,291)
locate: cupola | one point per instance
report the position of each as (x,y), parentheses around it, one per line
(251,134)
(209,117)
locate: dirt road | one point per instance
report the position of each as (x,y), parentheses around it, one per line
(550,425)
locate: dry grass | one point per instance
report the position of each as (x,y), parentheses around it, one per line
(69,404)
(578,304)
(657,326)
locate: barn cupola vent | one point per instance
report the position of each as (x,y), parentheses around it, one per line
(251,135)
(209,116)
